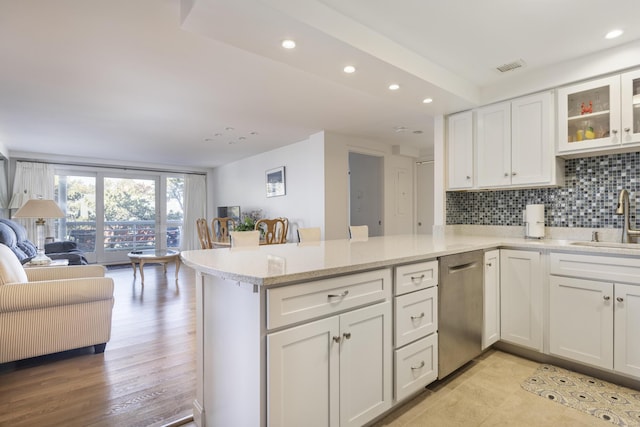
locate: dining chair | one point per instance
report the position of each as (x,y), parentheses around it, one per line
(204,235)
(285,234)
(358,232)
(245,239)
(311,234)
(272,230)
(220,228)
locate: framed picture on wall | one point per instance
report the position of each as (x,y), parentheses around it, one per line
(275,182)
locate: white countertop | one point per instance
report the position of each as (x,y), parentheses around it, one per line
(293,262)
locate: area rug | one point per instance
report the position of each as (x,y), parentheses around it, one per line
(616,404)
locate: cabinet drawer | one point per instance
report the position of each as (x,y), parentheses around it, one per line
(596,267)
(417,276)
(416,315)
(416,366)
(298,303)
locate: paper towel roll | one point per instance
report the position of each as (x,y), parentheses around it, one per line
(534,221)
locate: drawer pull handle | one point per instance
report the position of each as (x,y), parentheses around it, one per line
(336,339)
(619,299)
(606,297)
(342,295)
(417,317)
(413,368)
(418,278)
(347,335)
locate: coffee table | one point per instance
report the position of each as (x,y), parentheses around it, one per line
(162,256)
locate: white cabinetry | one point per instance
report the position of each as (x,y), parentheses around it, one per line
(491,311)
(460,150)
(600,115)
(521,298)
(514,143)
(337,370)
(416,325)
(593,318)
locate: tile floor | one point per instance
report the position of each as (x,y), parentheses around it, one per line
(486,392)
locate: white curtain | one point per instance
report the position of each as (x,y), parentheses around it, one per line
(195,206)
(37,180)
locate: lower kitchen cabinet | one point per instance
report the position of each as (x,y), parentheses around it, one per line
(416,365)
(491,309)
(335,371)
(521,308)
(595,322)
(581,320)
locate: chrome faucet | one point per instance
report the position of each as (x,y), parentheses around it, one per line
(623,209)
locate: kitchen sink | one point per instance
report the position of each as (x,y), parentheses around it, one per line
(635,246)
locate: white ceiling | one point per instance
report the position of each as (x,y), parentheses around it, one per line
(155,80)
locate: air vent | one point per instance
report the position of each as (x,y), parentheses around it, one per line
(511,66)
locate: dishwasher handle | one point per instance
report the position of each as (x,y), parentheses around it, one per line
(461,267)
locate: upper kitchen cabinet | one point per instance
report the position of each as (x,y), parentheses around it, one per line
(460,150)
(599,115)
(515,144)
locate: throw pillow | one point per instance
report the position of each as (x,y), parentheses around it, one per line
(11,271)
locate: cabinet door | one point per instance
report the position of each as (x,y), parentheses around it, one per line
(303,375)
(581,320)
(581,130)
(630,108)
(493,145)
(491,312)
(532,142)
(521,298)
(460,150)
(627,329)
(365,364)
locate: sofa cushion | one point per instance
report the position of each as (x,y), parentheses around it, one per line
(11,270)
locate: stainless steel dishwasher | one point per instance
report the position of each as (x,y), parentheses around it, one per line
(460,302)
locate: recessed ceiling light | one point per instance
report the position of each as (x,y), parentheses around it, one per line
(228,128)
(288,44)
(394,86)
(613,34)
(349,69)
(427,101)
(399,129)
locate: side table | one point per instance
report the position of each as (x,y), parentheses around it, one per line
(162,256)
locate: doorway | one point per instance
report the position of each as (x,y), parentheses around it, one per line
(424,189)
(366,194)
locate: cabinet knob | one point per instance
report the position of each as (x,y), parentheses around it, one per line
(342,295)
(418,317)
(489,264)
(506,174)
(614,131)
(619,299)
(606,297)
(420,366)
(513,174)
(336,339)
(468,177)
(627,130)
(347,335)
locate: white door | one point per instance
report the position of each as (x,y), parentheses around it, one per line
(365,364)
(303,375)
(521,298)
(627,329)
(424,189)
(493,145)
(491,312)
(581,320)
(532,147)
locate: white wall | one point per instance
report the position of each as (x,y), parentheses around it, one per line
(243,183)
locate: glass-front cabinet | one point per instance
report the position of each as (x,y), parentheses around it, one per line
(600,114)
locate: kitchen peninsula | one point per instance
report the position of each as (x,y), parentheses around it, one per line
(278,327)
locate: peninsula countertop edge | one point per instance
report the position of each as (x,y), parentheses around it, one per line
(274,265)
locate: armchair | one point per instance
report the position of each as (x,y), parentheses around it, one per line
(52,309)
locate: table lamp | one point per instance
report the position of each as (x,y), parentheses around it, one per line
(40,209)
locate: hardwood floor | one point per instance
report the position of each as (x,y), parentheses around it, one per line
(146,377)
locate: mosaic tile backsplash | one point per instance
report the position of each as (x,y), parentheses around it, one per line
(588,199)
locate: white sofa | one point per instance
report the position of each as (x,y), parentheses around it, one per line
(51,309)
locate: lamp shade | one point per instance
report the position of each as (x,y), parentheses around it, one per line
(39,208)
